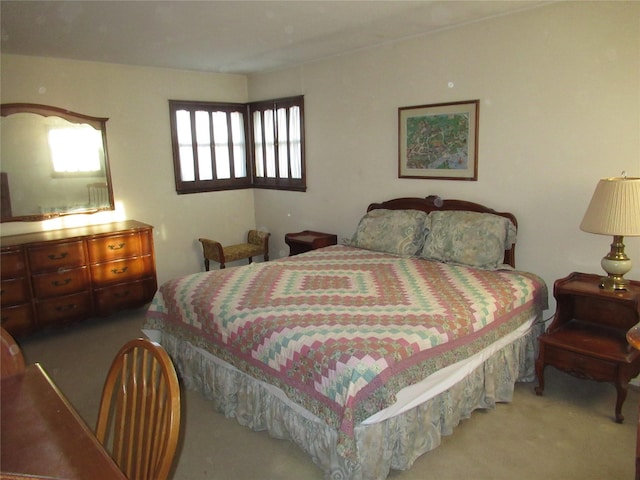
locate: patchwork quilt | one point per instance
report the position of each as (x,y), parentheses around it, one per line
(340,329)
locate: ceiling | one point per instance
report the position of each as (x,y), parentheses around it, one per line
(226,36)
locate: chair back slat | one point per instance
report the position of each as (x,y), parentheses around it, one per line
(139,416)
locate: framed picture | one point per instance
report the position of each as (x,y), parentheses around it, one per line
(439,141)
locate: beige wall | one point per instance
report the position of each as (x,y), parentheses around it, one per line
(136,102)
(559,91)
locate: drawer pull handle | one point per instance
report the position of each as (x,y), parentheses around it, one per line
(117,247)
(117,271)
(66,308)
(61,283)
(53,256)
(121,294)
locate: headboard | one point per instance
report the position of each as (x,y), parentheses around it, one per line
(433,202)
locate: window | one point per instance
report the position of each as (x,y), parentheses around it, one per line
(221,146)
(209,151)
(278,143)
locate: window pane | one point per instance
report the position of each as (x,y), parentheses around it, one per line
(203,140)
(257,140)
(183,126)
(283,154)
(239,152)
(187,172)
(294,138)
(221,139)
(269,139)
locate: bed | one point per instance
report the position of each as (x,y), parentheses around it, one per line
(364,354)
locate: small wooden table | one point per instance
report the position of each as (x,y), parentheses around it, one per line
(308,240)
(587,335)
(633,336)
(42,434)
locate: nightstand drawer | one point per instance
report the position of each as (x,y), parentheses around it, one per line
(580,365)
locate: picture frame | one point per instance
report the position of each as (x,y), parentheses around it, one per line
(439,141)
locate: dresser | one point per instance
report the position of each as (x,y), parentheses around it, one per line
(62,276)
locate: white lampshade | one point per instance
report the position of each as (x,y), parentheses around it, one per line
(614,208)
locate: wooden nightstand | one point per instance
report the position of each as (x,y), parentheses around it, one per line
(633,337)
(587,335)
(308,240)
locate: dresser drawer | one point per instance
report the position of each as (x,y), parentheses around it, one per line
(18,319)
(60,282)
(115,247)
(64,309)
(12,264)
(14,291)
(120,271)
(125,295)
(59,255)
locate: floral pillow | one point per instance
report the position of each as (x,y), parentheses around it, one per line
(400,232)
(468,238)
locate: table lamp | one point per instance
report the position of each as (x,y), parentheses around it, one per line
(614,210)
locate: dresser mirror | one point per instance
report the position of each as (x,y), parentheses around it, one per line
(53,162)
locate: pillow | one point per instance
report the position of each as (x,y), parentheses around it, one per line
(400,232)
(468,238)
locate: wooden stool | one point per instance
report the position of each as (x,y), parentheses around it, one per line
(257,244)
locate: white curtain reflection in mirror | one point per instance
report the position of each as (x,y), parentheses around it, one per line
(76,149)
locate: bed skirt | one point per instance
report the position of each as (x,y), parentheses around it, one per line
(392,444)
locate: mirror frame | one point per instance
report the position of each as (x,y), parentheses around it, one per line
(48,111)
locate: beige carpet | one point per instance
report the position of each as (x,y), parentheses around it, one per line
(566,434)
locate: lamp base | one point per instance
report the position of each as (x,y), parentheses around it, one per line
(612,284)
(616,264)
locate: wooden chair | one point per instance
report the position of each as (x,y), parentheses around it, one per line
(257,244)
(139,415)
(11,359)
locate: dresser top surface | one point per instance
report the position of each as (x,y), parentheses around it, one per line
(69,233)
